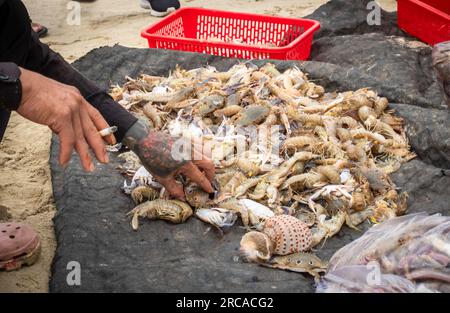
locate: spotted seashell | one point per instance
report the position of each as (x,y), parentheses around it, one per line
(287,234)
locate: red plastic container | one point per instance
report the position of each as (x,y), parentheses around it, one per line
(231,34)
(428,20)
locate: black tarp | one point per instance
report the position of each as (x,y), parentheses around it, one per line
(91,226)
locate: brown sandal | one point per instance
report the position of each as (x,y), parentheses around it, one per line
(19,245)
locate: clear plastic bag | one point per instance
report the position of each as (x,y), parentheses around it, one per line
(362,278)
(405,254)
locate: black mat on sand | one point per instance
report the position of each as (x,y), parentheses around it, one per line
(90,223)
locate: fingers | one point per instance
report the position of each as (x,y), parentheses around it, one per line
(67,142)
(68,114)
(174,188)
(207,166)
(100,123)
(81,145)
(191,171)
(92,136)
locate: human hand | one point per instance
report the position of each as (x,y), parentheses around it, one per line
(158,152)
(64,110)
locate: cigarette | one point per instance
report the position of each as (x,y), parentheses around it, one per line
(108,131)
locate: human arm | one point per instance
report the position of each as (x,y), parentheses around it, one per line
(59,106)
(155,154)
(161,155)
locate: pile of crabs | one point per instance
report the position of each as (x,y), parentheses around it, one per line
(312,160)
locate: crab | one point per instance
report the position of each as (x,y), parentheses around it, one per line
(252,213)
(173,211)
(141,193)
(300,263)
(196,196)
(253,114)
(208,105)
(332,193)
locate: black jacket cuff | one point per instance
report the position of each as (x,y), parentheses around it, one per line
(10,86)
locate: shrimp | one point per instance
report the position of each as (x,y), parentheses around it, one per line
(295,143)
(228,111)
(152,113)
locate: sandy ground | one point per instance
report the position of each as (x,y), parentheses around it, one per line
(25,189)
(25,182)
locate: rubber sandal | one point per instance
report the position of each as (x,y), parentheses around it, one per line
(19,245)
(42,32)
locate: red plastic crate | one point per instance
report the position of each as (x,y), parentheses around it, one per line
(428,20)
(231,34)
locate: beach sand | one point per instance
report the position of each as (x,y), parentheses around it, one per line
(25,181)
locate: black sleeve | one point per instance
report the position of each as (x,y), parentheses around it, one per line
(20,45)
(10,87)
(58,69)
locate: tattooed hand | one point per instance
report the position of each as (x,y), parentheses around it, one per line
(161,156)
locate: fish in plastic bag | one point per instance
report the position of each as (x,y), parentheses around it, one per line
(413,247)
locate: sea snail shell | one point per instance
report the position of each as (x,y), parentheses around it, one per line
(281,235)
